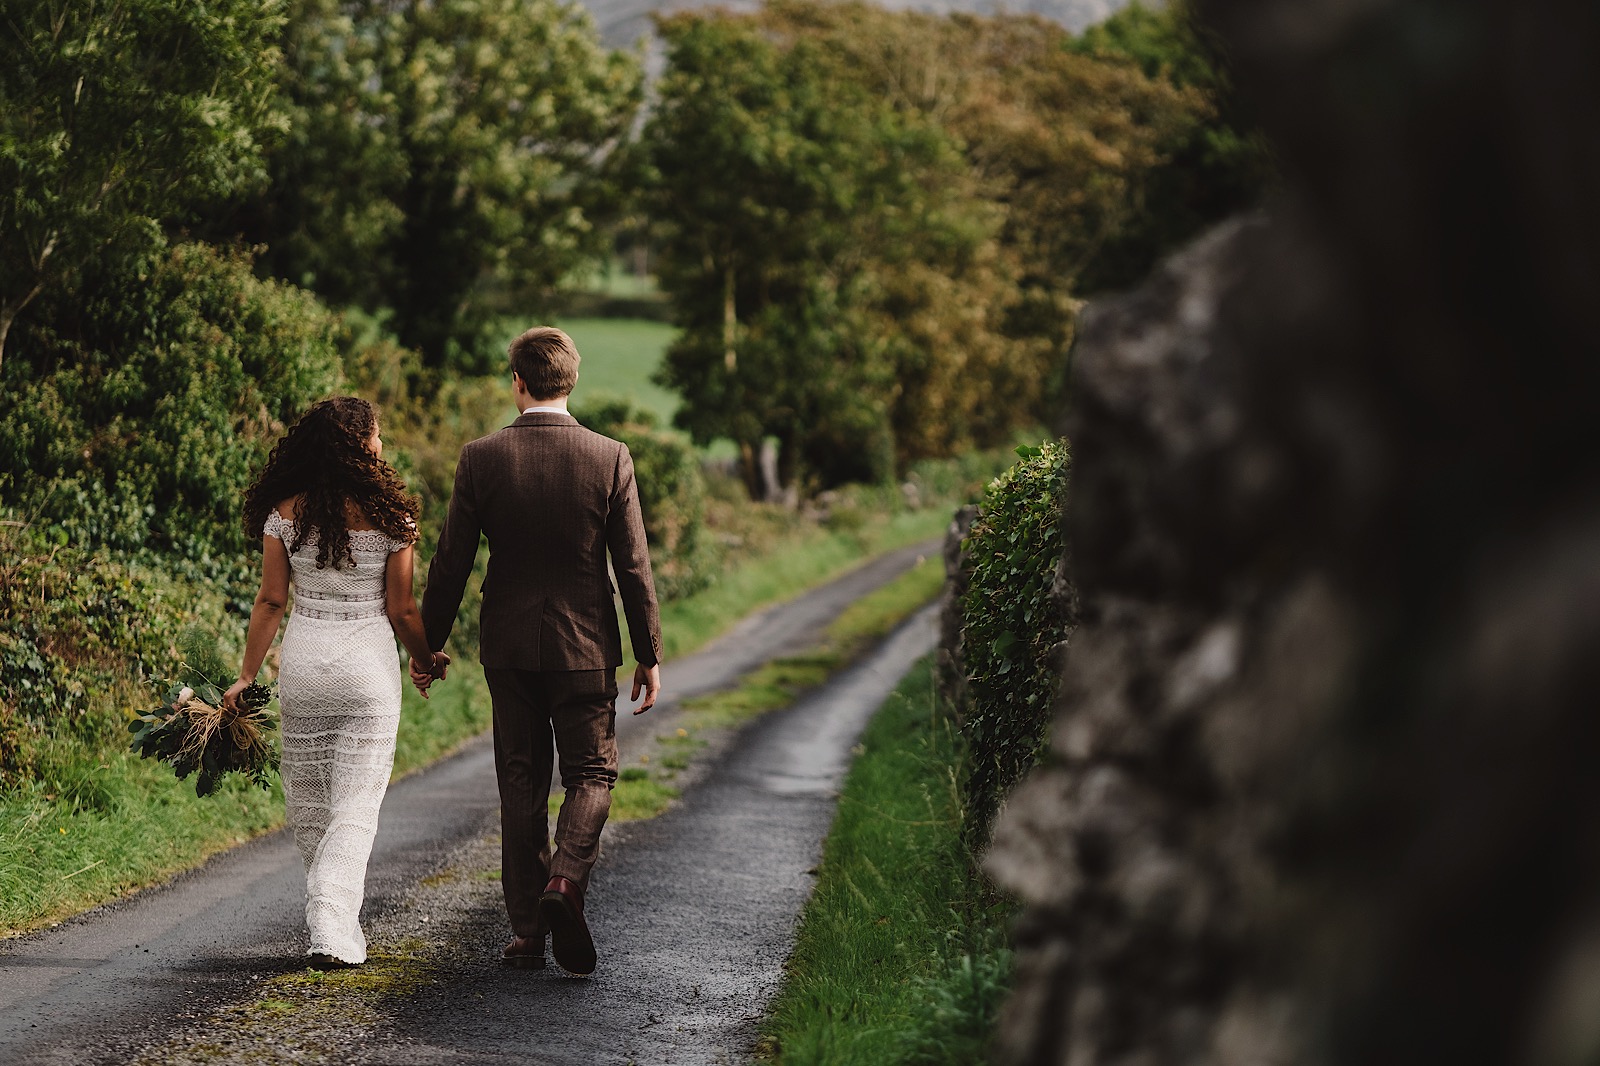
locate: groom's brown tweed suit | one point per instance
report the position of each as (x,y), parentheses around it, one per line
(553,499)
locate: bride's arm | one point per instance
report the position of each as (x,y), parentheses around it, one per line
(265,616)
(401,607)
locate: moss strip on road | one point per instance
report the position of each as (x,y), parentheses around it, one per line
(646,790)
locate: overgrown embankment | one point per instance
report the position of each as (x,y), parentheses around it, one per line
(901,955)
(904,950)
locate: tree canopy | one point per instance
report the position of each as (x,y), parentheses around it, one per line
(875,226)
(440,155)
(118,117)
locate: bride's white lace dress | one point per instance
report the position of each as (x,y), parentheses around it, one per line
(339,689)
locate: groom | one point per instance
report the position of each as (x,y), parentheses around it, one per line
(553,499)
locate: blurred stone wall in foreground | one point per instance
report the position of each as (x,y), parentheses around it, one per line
(1324,786)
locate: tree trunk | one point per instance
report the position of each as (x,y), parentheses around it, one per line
(12,308)
(750,470)
(786,484)
(730,320)
(7,316)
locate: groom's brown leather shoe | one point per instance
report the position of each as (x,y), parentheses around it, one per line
(524,952)
(561,908)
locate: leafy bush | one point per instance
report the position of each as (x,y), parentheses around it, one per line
(140,417)
(672,494)
(79,634)
(1010,625)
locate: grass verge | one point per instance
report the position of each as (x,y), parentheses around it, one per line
(791,565)
(646,790)
(901,956)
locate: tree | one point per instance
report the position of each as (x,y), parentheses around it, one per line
(443,154)
(798,216)
(1062,142)
(1214,165)
(756,168)
(116,117)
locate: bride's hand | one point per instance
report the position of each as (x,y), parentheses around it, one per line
(420,678)
(230,698)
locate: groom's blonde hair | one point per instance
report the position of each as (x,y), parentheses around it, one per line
(547,362)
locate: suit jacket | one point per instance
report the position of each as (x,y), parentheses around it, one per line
(553,498)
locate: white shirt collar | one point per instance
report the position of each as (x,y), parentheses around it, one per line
(552,410)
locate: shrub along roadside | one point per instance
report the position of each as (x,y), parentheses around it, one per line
(1010,624)
(901,954)
(140,426)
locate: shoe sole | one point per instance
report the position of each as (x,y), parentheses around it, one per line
(523,962)
(328,962)
(570,941)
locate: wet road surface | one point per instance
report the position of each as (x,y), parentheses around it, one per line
(693,912)
(119,978)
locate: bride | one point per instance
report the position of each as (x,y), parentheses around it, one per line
(336,519)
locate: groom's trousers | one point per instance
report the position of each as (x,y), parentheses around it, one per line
(576,709)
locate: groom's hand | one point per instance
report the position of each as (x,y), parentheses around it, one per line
(425,674)
(647,678)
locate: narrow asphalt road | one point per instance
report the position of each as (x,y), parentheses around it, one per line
(126,977)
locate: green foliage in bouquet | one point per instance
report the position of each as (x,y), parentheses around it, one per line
(194,734)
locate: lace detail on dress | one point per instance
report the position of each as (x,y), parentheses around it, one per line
(339,687)
(396,545)
(368,540)
(277,526)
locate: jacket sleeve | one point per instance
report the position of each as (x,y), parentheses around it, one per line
(452,561)
(630,560)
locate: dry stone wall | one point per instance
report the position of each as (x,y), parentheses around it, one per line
(1322,785)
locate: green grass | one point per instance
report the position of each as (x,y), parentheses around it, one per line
(619,356)
(901,955)
(127,823)
(879,611)
(779,682)
(801,561)
(60,853)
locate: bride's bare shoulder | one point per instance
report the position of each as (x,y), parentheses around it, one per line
(356,519)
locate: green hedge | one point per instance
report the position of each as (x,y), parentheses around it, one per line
(1010,625)
(80,634)
(137,418)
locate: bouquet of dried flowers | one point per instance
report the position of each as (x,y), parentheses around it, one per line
(193,733)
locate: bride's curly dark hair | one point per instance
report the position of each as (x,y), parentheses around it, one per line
(324,460)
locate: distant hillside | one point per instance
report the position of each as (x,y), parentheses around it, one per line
(623,22)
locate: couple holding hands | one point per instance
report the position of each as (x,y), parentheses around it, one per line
(338,526)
